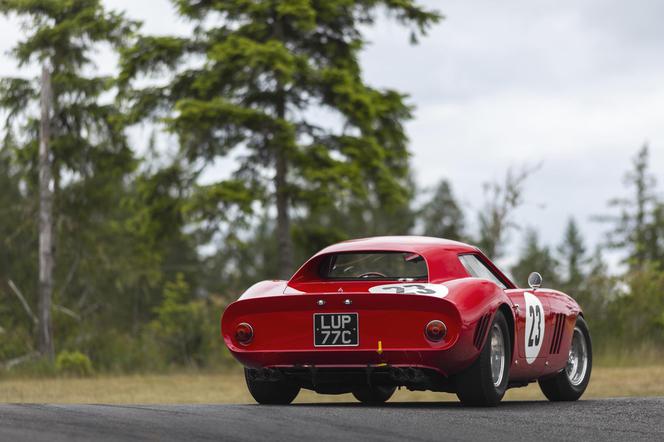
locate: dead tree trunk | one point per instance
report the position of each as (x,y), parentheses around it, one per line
(284,240)
(45,325)
(285,243)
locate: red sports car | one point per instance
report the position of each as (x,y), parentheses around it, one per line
(370,315)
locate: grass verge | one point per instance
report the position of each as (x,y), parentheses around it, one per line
(229,387)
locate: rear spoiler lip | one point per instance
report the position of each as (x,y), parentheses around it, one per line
(296,295)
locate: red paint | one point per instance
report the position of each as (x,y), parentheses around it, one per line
(281,315)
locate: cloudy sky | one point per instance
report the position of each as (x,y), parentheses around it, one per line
(574,85)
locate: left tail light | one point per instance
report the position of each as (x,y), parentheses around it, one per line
(435,331)
(244,333)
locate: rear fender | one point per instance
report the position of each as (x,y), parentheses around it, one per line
(478,301)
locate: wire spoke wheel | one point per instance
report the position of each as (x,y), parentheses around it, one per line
(485,381)
(497,355)
(571,381)
(577,362)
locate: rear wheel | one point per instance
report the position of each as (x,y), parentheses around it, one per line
(569,384)
(484,383)
(273,392)
(374,395)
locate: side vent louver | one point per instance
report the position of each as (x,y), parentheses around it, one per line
(480,331)
(558,330)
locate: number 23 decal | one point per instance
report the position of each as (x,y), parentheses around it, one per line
(417,288)
(536,317)
(535,327)
(411,288)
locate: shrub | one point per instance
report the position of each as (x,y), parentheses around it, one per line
(73,363)
(180,326)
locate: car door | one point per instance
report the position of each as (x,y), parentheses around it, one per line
(533,327)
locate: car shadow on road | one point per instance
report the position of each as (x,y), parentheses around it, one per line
(435,405)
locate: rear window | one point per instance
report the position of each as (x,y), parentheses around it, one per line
(374,266)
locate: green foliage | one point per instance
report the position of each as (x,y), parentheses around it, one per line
(637,226)
(73,363)
(13,341)
(535,257)
(572,252)
(90,154)
(119,228)
(441,216)
(265,67)
(148,254)
(18,250)
(638,310)
(180,325)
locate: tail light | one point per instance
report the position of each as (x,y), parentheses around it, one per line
(435,330)
(244,333)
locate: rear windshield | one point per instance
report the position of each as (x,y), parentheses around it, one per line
(374,265)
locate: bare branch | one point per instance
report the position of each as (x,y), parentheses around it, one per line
(21,359)
(67,311)
(21,298)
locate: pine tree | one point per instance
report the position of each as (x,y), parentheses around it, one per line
(535,257)
(633,226)
(252,80)
(572,251)
(441,216)
(80,139)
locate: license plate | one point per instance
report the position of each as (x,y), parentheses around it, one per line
(336,330)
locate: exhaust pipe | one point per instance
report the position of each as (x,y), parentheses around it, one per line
(264,374)
(409,375)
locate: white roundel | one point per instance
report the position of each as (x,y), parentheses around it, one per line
(412,288)
(534,326)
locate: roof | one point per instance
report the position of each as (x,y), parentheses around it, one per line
(440,254)
(406,243)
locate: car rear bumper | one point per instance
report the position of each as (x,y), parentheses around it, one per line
(339,380)
(443,362)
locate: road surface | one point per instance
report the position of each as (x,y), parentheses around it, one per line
(607,419)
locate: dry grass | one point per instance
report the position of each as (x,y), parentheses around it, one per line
(230,388)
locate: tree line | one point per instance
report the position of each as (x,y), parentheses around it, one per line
(145,251)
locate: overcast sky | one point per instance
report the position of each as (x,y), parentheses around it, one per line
(574,85)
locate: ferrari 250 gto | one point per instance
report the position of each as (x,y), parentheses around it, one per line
(371,315)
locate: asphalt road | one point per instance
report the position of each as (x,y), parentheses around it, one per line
(610,419)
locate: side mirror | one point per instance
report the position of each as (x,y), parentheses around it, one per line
(535,280)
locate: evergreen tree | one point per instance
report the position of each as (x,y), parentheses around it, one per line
(572,251)
(18,256)
(254,76)
(633,226)
(654,234)
(441,216)
(595,294)
(535,257)
(83,151)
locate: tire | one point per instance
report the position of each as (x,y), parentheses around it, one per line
(374,395)
(477,386)
(271,392)
(571,382)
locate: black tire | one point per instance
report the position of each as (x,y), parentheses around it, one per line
(560,387)
(475,386)
(374,395)
(271,392)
